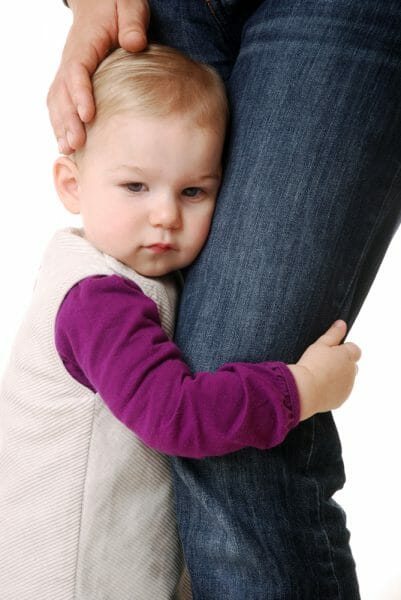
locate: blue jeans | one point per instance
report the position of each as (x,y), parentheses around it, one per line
(308,206)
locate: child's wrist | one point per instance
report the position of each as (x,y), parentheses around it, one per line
(306,390)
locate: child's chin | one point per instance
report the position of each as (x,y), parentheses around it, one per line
(153,271)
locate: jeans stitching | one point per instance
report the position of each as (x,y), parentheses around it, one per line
(368,244)
(308,460)
(218,20)
(327,538)
(322,525)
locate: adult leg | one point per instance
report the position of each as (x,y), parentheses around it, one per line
(309,203)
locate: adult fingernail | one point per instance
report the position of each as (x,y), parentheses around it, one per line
(135,38)
(70,139)
(81,112)
(338,323)
(61,145)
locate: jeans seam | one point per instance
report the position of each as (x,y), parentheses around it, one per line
(308,460)
(321,521)
(327,540)
(367,246)
(218,20)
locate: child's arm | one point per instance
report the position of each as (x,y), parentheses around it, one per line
(109,336)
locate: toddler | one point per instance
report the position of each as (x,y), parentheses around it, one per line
(95,386)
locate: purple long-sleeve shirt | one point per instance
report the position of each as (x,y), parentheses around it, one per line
(109,337)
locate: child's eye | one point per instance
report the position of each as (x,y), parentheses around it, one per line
(135,186)
(192,192)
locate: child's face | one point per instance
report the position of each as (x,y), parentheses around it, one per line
(147,188)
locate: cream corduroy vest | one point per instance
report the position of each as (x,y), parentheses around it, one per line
(85,508)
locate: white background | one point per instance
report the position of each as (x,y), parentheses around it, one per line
(31,40)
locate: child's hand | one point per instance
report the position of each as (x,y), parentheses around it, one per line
(326,371)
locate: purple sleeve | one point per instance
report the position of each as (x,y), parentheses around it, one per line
(109,337)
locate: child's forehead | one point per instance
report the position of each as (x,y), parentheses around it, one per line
(143,116)
(127,124)
(143,139)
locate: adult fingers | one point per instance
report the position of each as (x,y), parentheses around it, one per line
(64,116)
(85,48)
(133,21)
(67,125)
(92,35)
(80,90)
(70,99)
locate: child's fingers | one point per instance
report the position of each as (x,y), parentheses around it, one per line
(353,350)
(334,335)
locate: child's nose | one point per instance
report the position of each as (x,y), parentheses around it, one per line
(166,213)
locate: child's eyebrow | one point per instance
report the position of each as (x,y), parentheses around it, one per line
(143,172)
(127,168)
(212,176)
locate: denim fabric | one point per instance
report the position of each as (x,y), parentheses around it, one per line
(308,206)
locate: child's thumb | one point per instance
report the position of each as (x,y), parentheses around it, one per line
(334,335)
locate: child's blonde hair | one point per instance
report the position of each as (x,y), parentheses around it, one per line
(157,82)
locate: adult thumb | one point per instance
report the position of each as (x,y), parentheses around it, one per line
(133,21)
(334,335)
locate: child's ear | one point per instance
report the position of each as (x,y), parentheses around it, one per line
(66,180)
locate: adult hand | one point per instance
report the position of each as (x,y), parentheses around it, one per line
(97,28)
